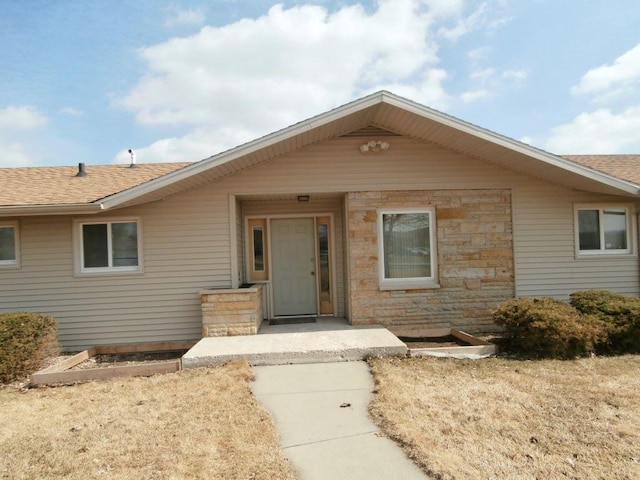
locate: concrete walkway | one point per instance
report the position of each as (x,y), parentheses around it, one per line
(321,415)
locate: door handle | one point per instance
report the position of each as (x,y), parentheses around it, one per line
(313,273)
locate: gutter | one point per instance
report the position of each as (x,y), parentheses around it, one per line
(55,209)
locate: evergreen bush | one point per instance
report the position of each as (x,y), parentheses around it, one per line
(619,314)
(546,328)
(26,340)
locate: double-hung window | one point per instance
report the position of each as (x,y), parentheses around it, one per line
(603,229)
(112,246)
(407,248)
(9,244)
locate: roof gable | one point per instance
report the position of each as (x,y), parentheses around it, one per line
(389,112)
(382,111)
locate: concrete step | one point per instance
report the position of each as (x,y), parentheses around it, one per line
(296,347)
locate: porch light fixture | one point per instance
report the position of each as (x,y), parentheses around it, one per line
(303,198)
(374,146)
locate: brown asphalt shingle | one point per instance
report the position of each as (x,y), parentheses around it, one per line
(624,167)
(59,185)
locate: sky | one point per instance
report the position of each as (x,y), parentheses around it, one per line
(181,80)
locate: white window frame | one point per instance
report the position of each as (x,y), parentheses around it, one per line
(79,244)
(601,207)
(15,263)
(415,282)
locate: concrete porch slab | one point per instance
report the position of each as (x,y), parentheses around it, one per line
(317,343)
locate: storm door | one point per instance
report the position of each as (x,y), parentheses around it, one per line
(294,266)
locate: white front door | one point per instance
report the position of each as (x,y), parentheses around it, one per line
(293,263)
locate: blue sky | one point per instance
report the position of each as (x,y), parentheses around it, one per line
(180,80)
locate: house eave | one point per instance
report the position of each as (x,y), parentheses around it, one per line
(623,186)
(520,155)
(240,151)
(59,209)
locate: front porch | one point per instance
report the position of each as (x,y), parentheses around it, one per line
(326,340)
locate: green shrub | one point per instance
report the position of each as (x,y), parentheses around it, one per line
(546,328)
(26,340)
(620,315)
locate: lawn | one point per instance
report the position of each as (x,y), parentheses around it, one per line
(507,419)
(195,424)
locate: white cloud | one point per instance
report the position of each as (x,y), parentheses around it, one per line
(186,17)
(485,17)
(14,121)
(197,145)
(255,76)
(614,127)
(610,82)
(489,82)
(597,132)
(516,75)
(13,155)
(474,95)
(21,118)
(74,112)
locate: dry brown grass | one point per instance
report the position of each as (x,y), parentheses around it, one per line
(505,419)
(190,425)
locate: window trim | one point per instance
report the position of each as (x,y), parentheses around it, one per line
(602,252)
(414,282)
(15,263)
(79,247)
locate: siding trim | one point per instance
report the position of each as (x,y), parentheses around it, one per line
(233,239)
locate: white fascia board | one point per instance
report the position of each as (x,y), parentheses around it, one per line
(42,210)
(511,144)
(245,149)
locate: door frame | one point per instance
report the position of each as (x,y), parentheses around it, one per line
(248,257)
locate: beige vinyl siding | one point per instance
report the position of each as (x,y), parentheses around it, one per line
(185,249)
(545,246)
(186,240)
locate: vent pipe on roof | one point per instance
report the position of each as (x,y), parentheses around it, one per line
(133,159)
(81,170)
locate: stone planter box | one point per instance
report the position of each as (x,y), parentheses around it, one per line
(230,312)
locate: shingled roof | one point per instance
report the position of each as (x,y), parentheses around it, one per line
(61,186)
(624,167)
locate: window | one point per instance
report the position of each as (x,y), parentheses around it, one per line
(109,246)
(257,255)
(324,266)
(9,244)
(603,230)
(258,249)
(407,250)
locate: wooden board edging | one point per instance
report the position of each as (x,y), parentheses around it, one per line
(61,373)
(74,376)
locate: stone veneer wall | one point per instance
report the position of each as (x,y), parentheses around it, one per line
(231,312)
(475,260)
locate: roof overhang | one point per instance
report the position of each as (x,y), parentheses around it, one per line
(396,114)
(382,110)
(61,209)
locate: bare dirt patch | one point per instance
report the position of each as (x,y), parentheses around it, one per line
(499,418)
(123,359)
(433,342)
(194,424)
